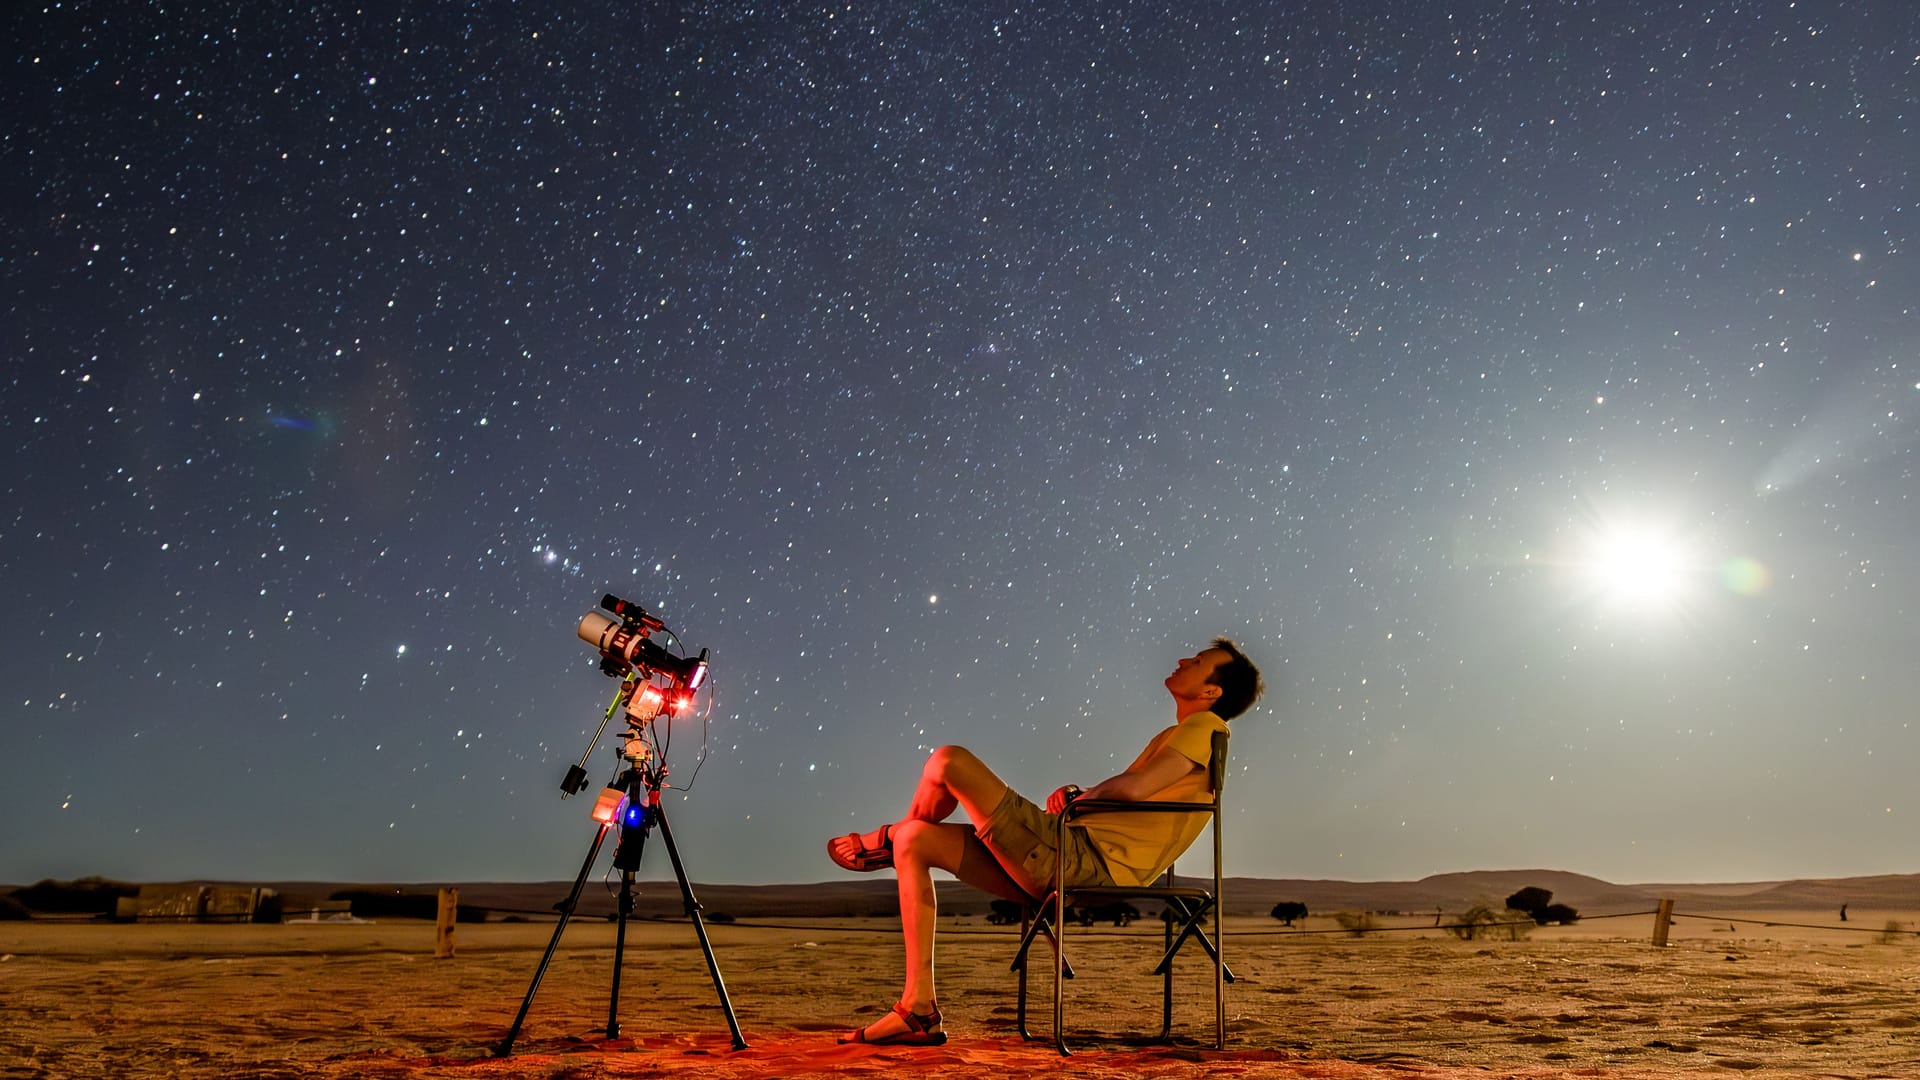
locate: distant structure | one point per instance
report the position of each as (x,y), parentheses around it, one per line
(1843,913)
(199,903)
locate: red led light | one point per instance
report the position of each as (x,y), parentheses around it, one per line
(607,809)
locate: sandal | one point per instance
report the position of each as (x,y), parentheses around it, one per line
(860,858)
(919,1030)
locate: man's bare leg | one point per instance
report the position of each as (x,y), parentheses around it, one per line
(953,779)
(923,842)
(919,848)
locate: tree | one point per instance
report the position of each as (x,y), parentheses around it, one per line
(1556,913)
(1289,910)
(1538,903)
(1531,900)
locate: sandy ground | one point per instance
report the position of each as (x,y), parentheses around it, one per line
(370,1000)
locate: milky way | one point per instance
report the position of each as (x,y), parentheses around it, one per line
(1531,387)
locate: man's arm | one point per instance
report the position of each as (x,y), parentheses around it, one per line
(1151,777)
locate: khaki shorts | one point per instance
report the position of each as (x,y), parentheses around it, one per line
(1023,835)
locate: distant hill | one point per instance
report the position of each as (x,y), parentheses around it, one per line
(1449,892)
(874,896)
(1890,892)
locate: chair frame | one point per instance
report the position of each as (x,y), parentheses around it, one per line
(1191,904)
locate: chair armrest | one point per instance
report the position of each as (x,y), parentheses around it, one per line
(1080,807)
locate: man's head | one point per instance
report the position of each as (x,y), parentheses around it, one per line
(1218,678)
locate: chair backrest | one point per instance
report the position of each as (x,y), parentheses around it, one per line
(1217,763)
(1217,779)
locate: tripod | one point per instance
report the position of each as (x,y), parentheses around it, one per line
(631,802)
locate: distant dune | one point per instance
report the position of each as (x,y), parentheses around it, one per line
(874,896)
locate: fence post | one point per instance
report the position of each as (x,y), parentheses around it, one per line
(443,923)
(1662,923)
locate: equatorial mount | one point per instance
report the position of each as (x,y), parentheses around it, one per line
(654,686)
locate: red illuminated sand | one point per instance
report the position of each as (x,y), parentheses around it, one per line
(370,1000)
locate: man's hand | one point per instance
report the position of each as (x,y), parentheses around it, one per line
(1057,802)
(1142,782)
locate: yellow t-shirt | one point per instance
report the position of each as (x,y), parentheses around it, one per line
(1139,847)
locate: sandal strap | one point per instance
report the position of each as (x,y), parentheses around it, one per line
(919,1023)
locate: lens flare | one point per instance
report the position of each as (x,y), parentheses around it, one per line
(1746,576)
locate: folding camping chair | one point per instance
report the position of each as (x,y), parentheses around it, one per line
(1188,905)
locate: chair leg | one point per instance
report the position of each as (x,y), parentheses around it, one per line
(1166,980)
(1034,923)
(1221,977)
(1060,971)
(1219,1004)
(1190,918)
(1048,919)
(1213,951)
(1041,925)
(1027,930)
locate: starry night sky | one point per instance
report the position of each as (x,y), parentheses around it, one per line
(1530,386)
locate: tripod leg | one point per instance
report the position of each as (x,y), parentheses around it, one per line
(699,928)
(620,947)
(566,912)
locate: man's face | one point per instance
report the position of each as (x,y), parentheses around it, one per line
(1190,676)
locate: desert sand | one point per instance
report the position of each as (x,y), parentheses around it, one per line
(1764,999)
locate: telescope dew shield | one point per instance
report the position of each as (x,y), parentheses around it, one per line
(627,642)
(614,638)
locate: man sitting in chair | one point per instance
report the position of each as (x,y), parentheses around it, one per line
(1009,850)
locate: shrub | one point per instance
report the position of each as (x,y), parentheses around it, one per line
(13,910)
(1289,910)
(1890,934)
(396,904)
(1005,912)
(1513,925)
(86,896)
(1482,921)
(389,904)
(1356,923)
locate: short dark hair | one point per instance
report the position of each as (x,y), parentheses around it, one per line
(1239,681)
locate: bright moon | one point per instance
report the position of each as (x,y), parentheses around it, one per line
(1637,566)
